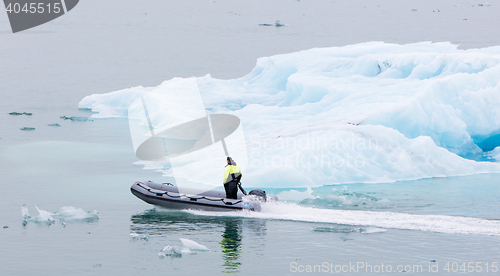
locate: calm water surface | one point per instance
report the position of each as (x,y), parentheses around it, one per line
(103,46)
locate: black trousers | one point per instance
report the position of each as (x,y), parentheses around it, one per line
(231,189)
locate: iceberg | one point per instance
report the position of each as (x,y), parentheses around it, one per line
(65,214)
(371,112)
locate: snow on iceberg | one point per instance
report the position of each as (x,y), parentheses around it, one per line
(370,112)
(495,154)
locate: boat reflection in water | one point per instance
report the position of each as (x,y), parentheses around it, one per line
(169,224)
(231,243)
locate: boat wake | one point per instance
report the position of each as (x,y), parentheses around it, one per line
(387,220)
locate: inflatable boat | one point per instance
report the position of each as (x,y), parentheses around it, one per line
(169,196)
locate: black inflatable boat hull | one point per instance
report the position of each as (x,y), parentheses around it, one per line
(169,197)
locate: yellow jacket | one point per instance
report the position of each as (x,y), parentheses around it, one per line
(232,171)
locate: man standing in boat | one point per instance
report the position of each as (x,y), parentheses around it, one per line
(232,176)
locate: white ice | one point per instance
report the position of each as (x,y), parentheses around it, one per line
(44,216)
(495,154)
(371,112)
(193,245)
(65,214)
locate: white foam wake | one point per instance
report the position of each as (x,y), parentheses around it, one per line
(432,223)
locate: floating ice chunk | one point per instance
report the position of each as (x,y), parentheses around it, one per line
(186,250)
(44,216)
(20,113)
(174,251)
(137,236)
(192,245)
(73,118)
(25,213)
(70,213)
(28,128)
(276,24)
(65,214)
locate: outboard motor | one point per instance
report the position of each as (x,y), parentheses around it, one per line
(260,194)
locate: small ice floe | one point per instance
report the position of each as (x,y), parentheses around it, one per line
(413,9)
(65,214)
(479,5)
(136,236)
(44,216)
(70,213)
(174,251)
(73,118)
(193,245)
(28,128)
(24,212)
(435,11)
(276,24)
(187,249)
(20,113)
(54,125)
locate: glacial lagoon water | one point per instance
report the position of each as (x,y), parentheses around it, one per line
(89,165)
